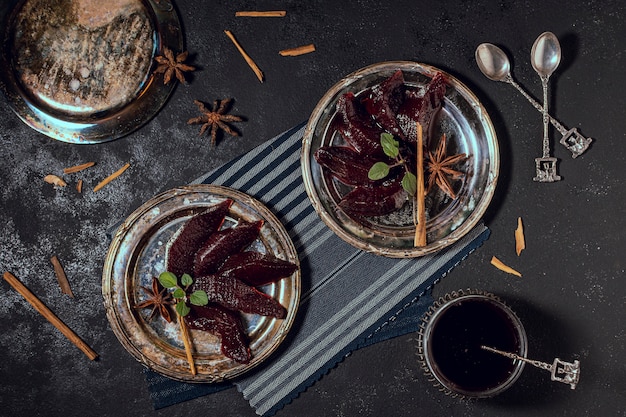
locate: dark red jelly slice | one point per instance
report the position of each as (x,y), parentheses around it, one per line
(408,114)
(357,127)
(193,234)
(233,294)
(422,109)
(225,324)
(256,269)
(383,100)
(432,100)
(220,245)
(374,201)
(345,164)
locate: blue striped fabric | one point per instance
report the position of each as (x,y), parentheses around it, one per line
(350,298)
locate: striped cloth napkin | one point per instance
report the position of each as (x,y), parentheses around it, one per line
(350,298)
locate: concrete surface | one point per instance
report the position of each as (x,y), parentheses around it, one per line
(571,297)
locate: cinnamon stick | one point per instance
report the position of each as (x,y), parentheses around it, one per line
(420,228)
(61,277)
(49,315)
(111,177)
(300,50)
(251,63)
(271,13)
(187,342)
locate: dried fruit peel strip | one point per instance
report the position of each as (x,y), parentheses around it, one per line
(520,241)
(501,266)
(300,50)
(111,177)
(78,168)
(54,180)
(269,13)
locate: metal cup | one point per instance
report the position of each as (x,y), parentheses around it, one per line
(450,338)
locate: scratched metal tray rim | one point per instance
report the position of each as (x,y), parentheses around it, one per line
(97,126)
(469,130)
(138,252)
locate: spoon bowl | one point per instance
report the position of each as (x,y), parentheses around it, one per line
(545,55)
(493,62)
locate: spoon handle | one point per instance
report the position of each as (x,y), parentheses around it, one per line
(561,371)
(572,139)
(546,124)
(562,130)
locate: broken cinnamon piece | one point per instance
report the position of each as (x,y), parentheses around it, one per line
(111,177)
(61,277)
(502,267)
(54,180)
(78,168)
(300,50)
(251,63)
(79,186)
(520,241)
(271,13)
(49,315)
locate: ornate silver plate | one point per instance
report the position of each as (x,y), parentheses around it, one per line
(468,129)
(80,71)
(138,253)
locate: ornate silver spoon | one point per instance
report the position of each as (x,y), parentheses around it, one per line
(545,57)
(495,65)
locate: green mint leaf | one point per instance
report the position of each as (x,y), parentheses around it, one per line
(168,280)
(178,293)
(182,309)
(391,147)
(409,183)
(186,280)
(199,298)
(378,171)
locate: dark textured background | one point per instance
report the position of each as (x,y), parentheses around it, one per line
(571,297)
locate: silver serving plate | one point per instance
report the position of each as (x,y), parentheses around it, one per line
(138,253)
(468,129)
(82,71)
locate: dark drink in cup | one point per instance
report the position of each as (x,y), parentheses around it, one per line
(451,337)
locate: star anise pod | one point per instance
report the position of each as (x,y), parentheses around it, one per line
(170,65)
(216,119)
(158,298)
(441,168)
